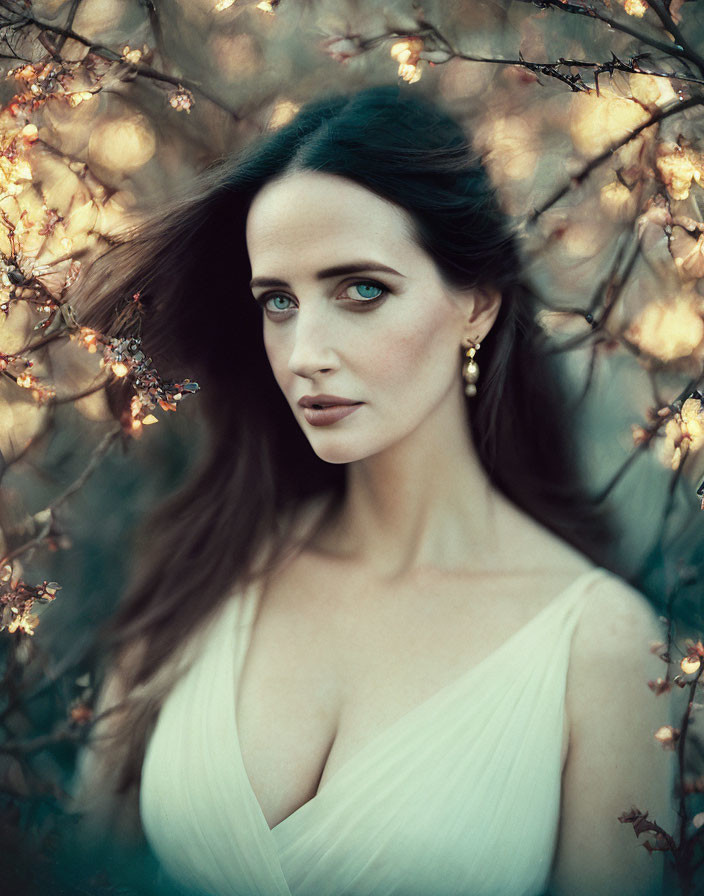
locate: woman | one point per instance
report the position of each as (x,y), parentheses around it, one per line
(374,646)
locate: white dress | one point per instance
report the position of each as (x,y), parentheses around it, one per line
(461,795)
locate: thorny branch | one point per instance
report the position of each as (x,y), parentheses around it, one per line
(439,50)
(592,12)
(673,109)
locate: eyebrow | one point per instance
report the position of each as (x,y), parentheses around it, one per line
(353,267)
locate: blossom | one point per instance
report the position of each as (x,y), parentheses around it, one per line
(690,664)
(80,712)
(678,165)
(408,55)
(687,253)
(132,55)
(637,8)
(341,48)
(25,622)
(660,686)
(669,329)
(598,121)
(617,200)
(684,432)
(667,736)
(181,99)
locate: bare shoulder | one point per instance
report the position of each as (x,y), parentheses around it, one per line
(614,762)
(611,658)
(616,626)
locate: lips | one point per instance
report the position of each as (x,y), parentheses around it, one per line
(325,416)
(321,406)
(325,401)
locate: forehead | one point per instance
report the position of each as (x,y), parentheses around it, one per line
(314,215)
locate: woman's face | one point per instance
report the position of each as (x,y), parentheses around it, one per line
(353,309)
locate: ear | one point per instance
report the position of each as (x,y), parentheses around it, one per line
(485,302)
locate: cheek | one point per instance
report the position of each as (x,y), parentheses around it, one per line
(385,358)
(421,357)
(393,362)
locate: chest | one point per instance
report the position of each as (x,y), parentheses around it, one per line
(334,660)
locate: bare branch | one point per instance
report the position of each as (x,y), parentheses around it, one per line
(650,433)
(592,12)
(146,71)
(95,459)
(663,13)
(673,109)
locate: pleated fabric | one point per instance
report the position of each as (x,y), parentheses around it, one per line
(461,795)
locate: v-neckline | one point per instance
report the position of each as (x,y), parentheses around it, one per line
(249,601)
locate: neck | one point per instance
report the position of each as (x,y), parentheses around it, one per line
(424,503)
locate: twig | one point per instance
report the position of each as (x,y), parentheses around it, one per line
(673,109)
(611,287)
(550,68)
(69,24)
(688,389)
(663,13)
(592,12)
(684,846)
(22,747)
(84,393)
(96,456)
(675,478)
(111,55)
(41,432)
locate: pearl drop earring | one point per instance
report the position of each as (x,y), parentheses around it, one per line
(470,368)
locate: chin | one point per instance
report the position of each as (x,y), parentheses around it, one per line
(337,455)
(339,451)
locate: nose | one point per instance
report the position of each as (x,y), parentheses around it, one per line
(312,352)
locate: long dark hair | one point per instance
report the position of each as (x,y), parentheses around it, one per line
(188,262)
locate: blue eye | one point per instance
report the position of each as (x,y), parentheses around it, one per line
(275,304)
(276,299)
(370,285)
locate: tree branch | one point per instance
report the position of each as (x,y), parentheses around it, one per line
(93,462)
(145,71)
(673,109)
(688,389)
(663,13)
(592,12)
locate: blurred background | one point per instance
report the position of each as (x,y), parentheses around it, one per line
(589,118)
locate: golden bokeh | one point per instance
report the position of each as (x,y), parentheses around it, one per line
(283,112)
(690,664)
(509,145)
(98,18)
(669,329)
(600,121)
(122,144)
(235,55)
(651,90)
(637,8)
